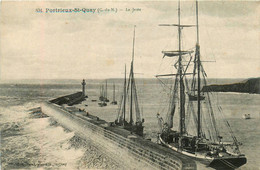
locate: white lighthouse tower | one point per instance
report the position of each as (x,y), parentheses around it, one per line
(83,87)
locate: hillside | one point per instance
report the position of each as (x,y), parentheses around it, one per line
(251,85)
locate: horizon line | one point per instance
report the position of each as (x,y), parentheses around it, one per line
(116,78)
(11,79)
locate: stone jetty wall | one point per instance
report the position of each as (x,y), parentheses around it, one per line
(125,151)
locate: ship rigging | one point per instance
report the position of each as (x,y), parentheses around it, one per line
(206,143)
(130,92)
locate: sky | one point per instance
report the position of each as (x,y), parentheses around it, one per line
(89,45)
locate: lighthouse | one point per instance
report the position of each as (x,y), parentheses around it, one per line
(83,87)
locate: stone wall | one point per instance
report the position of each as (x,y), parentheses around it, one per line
(129,153)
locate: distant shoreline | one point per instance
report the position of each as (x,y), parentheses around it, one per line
(251,86)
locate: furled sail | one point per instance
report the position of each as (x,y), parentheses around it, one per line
(126,114)
(177,25)
(175,53)
(193,130)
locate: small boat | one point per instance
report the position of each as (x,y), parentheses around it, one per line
(195,97)
(195,132)
(114,102)
(103,96)
(130,92)
(247,116)
(102,104)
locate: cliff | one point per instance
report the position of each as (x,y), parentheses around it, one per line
(247,86)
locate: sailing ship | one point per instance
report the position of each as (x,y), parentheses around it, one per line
(103,93)
(103,96)
(130,96)
(114,102)
(195,133)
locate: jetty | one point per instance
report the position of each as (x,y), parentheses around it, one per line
(124,147)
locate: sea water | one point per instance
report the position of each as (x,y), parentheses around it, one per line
(37,143)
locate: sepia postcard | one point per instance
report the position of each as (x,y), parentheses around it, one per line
(130,84)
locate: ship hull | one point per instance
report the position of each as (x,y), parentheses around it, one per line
(246,116)
(136,129)
(219,163)
(114,103)
(102,104)
(227,163)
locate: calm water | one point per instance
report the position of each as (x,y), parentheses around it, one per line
(30,143)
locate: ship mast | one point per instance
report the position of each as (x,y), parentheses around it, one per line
(182,94)
(102,91)
(198,65)
(124,97)
(197,21)
(131,83)
(113,92)
(106,91)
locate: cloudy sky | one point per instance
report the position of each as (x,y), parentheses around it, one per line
(97,45)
